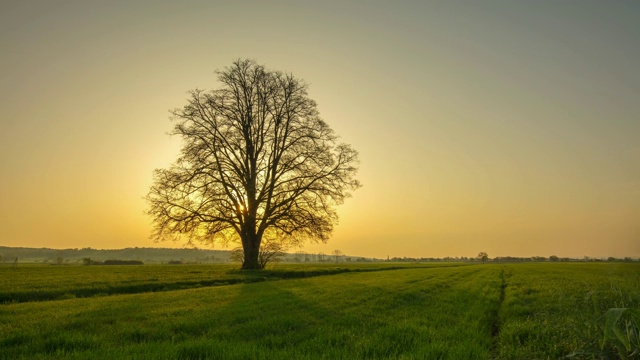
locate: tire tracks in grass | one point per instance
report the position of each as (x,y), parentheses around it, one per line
(235,278)
(497,322)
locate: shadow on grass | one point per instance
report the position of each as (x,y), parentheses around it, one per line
(235,277)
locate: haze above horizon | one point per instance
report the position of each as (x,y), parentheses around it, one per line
(505,127)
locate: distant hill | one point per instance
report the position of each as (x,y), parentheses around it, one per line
(203,256)
(147,255)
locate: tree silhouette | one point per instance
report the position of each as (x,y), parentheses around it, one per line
(257,162)
(483,256)
(337,253)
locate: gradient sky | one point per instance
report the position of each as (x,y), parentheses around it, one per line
(510,127)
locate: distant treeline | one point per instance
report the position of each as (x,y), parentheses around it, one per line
(554,258)
(145,255)
(513,259)
(149,256)
(203,256)
(88,261)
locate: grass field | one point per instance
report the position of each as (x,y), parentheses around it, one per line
(38,283)
(370,311)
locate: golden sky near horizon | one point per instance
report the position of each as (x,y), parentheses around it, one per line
(509,127)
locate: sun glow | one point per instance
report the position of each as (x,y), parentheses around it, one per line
(497,131)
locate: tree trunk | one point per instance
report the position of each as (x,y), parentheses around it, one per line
(251,247)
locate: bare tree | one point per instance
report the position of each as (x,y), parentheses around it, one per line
(337,253)
(257,161)
(483,256)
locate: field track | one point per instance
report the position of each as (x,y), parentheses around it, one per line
(370,311)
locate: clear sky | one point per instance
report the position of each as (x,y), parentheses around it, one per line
(510,127)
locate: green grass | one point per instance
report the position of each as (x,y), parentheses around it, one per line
(522,311)
(45,282)
(385,314)
(37,283)
(555,310)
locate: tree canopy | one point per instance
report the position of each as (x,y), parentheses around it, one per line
(257,162)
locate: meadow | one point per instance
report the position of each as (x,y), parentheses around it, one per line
(321,311)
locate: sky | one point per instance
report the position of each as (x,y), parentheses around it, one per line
(509,127)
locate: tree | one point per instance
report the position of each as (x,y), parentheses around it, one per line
(483,256)
(337,253)
(257,162)
(270,252)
